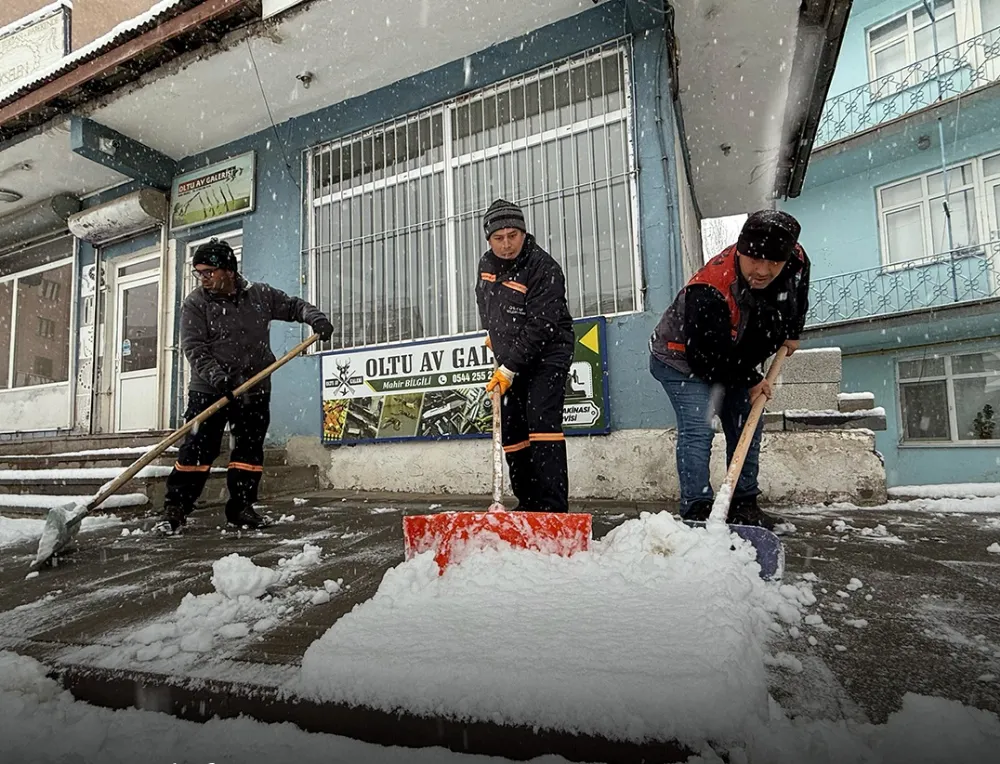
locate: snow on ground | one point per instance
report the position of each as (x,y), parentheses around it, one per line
(877,533)
(658,632)
(86,473)
(17,530)
(120,451)
(248,599)
(947,491)
(41,724)
(48,502)
(942,506)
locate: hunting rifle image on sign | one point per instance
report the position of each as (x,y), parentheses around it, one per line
(435,389)
(215,192)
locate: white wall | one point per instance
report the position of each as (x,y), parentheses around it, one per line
(45,407)
(630,465)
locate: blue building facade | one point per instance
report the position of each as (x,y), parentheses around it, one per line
(901,217)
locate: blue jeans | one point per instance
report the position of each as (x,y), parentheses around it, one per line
(695,402)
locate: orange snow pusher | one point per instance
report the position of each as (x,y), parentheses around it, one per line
(453,535)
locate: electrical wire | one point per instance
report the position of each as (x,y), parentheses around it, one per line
(277,136)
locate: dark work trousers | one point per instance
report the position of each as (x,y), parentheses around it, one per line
(248,417)
(531,417)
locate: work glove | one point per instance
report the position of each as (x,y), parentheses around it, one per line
(489,342)
(501,380)
(323,328)
(225,386)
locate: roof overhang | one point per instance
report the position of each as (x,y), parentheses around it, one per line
(211,72)
(753,78)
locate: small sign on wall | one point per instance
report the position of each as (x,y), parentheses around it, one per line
(216,192)
(31,44)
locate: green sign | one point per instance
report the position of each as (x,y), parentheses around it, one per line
(218,191)
(437,389)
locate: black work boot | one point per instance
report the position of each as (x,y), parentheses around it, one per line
(746,511)
(248,518)
(699,510)
(171,521)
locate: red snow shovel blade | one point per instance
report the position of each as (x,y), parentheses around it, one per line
(451,535)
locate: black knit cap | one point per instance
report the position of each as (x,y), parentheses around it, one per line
(769,235)
(216,253)
(503,214)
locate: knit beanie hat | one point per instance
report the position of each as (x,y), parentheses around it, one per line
(216,253)
(769,235)
(503,214)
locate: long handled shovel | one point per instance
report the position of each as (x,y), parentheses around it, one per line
(451,535)
(770,553)
(62,523)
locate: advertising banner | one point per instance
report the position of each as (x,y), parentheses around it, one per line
(436,389)
(218,191)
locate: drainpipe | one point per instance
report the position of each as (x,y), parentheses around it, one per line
(164,367)
(944,164)
(95,341)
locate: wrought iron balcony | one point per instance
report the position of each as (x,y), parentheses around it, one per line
(964,275)
(969,65)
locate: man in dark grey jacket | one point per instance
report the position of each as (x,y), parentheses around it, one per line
(225,335)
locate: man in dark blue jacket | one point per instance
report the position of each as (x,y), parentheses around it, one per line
(225,335)
(521,293)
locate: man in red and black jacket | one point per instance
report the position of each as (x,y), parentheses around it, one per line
(707,348)
(521,294)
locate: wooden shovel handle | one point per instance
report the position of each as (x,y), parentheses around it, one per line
(164,444)
(497,449)
(750,426)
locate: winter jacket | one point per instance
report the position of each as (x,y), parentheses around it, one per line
(720,330)
(522,304)
(229,335)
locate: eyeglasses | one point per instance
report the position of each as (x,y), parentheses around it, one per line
(204,274)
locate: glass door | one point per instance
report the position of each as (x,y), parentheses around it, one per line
(136,353)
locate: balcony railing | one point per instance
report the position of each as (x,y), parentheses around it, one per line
(969,65)
(963,275)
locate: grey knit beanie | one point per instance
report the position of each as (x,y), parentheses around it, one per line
(503,214)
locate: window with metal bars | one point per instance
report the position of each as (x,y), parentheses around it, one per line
(394,214)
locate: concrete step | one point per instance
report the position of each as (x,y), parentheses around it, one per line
(72,443)
(122,459)
(278,480)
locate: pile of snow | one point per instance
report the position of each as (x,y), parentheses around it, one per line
(877,533)
(248,599)
(658,632)
(18,530)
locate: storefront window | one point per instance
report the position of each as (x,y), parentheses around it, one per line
(35,326)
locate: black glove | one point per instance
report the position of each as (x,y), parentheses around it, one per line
(224,386)
(323,328)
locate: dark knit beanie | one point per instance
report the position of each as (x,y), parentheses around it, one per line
(769,235)
(216,253)
(503,214)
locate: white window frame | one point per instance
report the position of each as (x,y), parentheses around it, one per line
(13,278)
(959,11)
(948,378)
(979,188)
(451,160)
